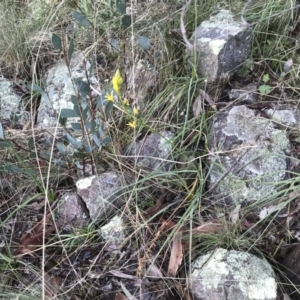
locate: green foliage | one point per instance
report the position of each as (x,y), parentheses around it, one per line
(83,124)
(56,41)
(265,88)
(121,6)
(81,19)
(144,42)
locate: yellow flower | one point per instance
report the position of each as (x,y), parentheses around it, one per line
(109,97)
(132,124)
(126,101)
(135,111)
(117,82)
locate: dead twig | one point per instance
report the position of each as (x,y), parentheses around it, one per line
(182,27)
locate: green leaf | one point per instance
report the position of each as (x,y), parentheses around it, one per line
(36,88)
(77,110)
(96,140)
(74,100)
(62,121)
(266,78)
(264,89)
(4,144)
(2,136)
(68,113)
(157,54)
(32,155)
(85,113)
(59,162)
(76,126)
(88,149)
(108,107)
(101,130)
(84,88)
(87,125)
(144,42)
(126,21)
(101,31)
(78,165)
(121,6)
(70,50)
(30,143)
(43,94)
(16,169)
(115,44)
(282,74)
(45,154)
(56,41)
(90,67)
(101,98)
(106,141)
(99,101)
(61,148)
(73,141)
(81,19)
(80,154)
(14,117)
(93,126)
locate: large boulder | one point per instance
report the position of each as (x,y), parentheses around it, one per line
(222,45)
(232,275)
(60,87)
(250,149)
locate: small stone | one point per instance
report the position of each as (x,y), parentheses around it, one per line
(152,151)
(101,194)
(245,95)
(70,210)
(113,233)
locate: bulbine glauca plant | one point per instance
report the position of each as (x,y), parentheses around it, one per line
(123,104)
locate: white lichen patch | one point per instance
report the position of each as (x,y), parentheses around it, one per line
(216,46)
(205,268)
(85,183)
(242,123)
(113,232)
(223,274)
(164,144)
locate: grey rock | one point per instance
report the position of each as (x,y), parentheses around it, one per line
(222,45)
(232,275)
(113,233)
(60,89)
(10,103)
(101,194)
(250,152)
(245,95)
(152,151)
(70,210)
